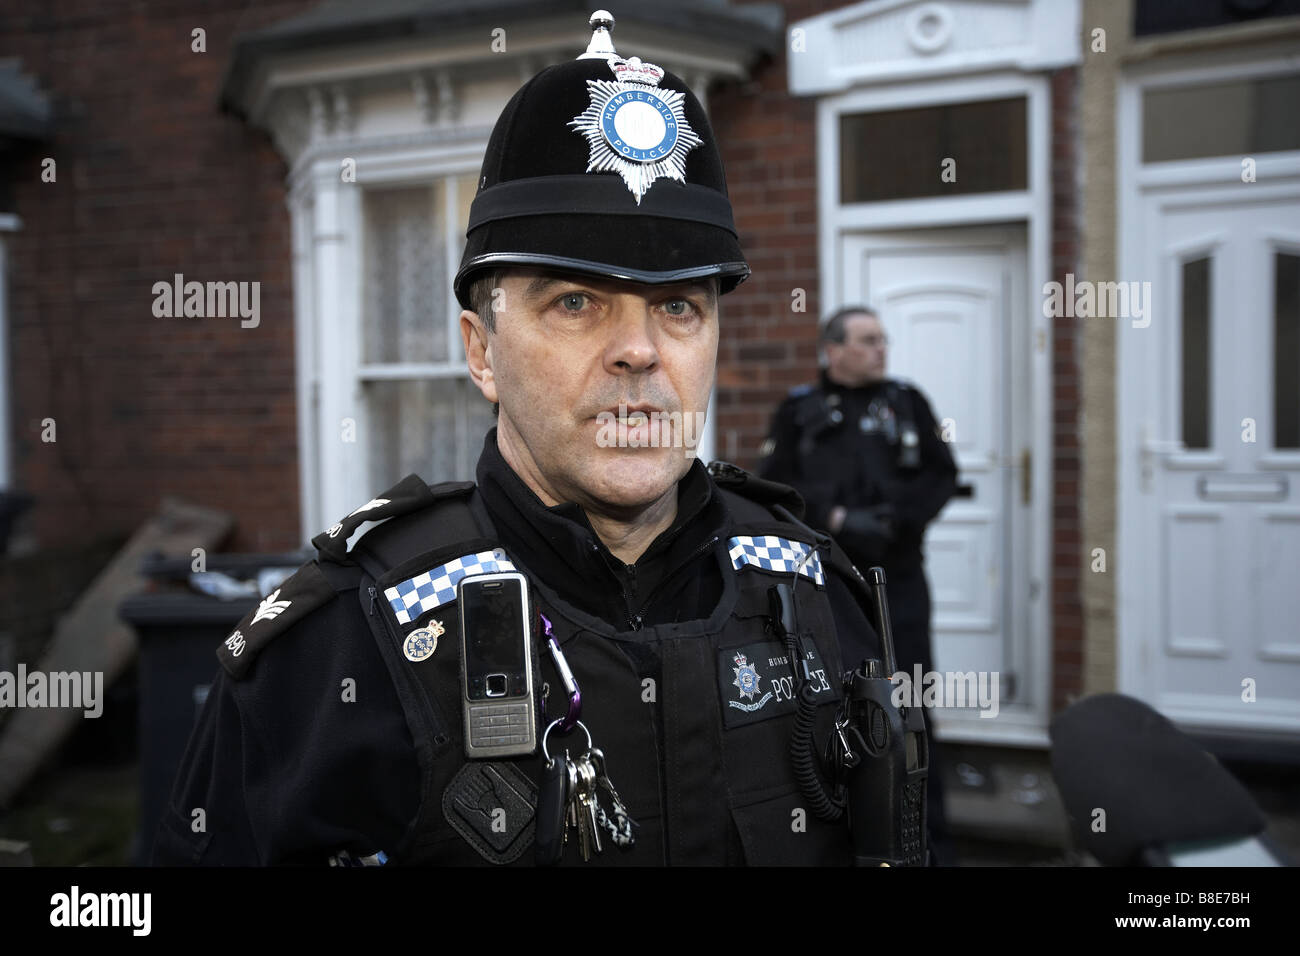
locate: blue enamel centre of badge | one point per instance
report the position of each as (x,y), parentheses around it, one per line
(639,125)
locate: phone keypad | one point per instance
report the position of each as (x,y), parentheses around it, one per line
(499,725)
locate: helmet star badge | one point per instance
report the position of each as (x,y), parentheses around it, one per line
(633,127)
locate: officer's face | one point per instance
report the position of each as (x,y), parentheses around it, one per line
(860,359)
(567,352)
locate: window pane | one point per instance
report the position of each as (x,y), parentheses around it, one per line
(1239,118)
(899,154)
(465,187)
(1286,351)
(433,428)
(405,276)
(1196,353)
(1170,16)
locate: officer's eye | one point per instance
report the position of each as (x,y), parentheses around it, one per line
(573,301)
(679,307)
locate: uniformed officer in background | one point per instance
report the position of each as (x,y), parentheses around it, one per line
(871,463)
(599,241)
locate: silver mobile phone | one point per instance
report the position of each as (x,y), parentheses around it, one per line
(496,673)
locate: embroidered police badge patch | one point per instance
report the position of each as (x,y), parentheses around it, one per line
(748,682)
(634,128)
(756,682)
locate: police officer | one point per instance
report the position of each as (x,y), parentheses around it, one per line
(873,468)
(598,244)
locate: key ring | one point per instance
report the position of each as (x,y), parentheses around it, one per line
(551,726)
(570,720)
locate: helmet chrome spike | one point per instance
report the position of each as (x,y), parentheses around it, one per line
(601,46)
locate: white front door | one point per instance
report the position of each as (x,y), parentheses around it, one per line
(953,306)
(1210,577)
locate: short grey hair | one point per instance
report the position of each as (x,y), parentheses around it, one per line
(833,327)
(481,297)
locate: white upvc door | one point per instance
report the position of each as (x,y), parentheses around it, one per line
(954,306)
(1210,577)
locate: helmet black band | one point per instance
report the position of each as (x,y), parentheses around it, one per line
(729,273)
(599,195)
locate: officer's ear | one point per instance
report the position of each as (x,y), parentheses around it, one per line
(478,354)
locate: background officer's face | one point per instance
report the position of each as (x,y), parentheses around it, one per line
(568,348)
(861,358)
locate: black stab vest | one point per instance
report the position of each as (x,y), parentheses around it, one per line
(704,769)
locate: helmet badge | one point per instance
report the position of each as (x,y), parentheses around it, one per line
(634,128)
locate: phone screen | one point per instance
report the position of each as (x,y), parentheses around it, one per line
(495,639)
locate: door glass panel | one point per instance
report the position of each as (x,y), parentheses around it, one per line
(1238,118)
(900,154)
(1196,353)
(1286,351)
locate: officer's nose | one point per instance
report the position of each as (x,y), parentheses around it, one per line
(631,346)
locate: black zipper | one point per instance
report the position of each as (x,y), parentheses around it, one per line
(686,562)
(373,594)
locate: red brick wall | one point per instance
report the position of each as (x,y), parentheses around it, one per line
(1067,542)
(152,180)
(768,142)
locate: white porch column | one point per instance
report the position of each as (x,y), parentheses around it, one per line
(341,431)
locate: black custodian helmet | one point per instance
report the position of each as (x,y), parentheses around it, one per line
(606,167)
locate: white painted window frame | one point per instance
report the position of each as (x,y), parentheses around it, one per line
(1187,180)
(1017,725)
(328,251)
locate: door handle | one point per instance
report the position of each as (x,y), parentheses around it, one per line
(1150,448)
(1026,475)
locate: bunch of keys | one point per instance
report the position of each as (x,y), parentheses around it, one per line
(568,799)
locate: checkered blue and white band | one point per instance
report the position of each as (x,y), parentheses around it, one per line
(772,553)
(437,586)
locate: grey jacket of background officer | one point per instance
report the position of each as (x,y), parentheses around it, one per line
(332,732)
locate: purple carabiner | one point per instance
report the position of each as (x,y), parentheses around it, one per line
(570,720)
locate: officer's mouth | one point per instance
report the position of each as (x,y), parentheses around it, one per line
(632,426)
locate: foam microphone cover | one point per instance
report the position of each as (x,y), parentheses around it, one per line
(1156,785)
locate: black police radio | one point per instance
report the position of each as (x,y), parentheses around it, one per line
(878,756)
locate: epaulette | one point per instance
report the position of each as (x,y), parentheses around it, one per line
(315,584)
(759,490)
(305,591)
(409,494)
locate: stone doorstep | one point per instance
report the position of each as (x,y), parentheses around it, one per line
(15,853)
(1003,795)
